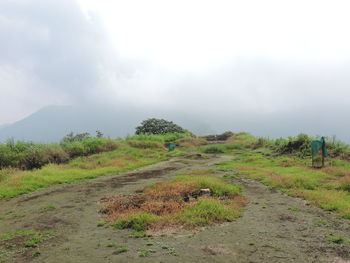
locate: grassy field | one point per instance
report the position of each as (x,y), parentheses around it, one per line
(291,172)
(134,152)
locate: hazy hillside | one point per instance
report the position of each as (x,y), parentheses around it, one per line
(53,122)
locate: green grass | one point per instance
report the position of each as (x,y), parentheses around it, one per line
(34,241)
(14,243)
(336,240)
(207,211)
(328,188)
(138,222)
(110,244)
(120,250)
(293,176)
(165,138)
(320,222)
(125,158)
(294,209)
(47,208)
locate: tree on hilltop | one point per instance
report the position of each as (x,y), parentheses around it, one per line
(158,126)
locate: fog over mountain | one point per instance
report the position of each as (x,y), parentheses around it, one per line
(272,68)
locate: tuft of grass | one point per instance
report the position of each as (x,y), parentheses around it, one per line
(101,223)
(320,222)
(214,149)
(138,234)
(294,209)
(138,222)
(207,211)
(143,252)
(47,208)
(336,240)
(120,250)
(36,253)
(34,241)
(110,244)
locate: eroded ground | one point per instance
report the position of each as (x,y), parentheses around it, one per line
(274,227)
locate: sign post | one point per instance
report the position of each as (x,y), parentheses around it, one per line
(316,146)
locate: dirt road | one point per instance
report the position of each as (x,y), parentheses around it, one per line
(274,227)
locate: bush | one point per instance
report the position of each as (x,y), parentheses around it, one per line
(71,137)
(28,155)
(158,126)
(55,154)
(8,158)
(299,144)
(74,149)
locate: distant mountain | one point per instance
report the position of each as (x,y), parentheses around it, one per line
(51,123)
(3,125)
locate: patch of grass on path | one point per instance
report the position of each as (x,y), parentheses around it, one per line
(179,202)
(16,182)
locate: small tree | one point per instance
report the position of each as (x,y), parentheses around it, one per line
(158,126)
(99,134)
(71,137)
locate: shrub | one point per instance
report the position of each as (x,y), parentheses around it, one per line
(55,154)
(8,158)
(299,144)
(74,149)
(158,126)
(33,158)
(71,137)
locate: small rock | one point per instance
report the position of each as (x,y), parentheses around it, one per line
(205,191)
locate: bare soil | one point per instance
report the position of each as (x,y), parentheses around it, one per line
(274,227)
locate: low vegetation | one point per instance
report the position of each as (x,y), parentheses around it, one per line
(29,155)
(180,203)
(126,156)
(22,244)
(285,164)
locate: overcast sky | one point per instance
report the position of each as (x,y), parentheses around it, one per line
(265,60)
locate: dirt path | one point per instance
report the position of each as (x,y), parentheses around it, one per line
(274,228)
